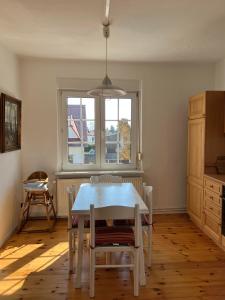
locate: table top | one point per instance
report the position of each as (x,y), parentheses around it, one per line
(107,194)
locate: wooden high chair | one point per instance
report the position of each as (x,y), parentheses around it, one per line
(37,193)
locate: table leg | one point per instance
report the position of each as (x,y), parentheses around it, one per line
(142,258)
(79,256)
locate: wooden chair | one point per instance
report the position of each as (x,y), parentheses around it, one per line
(37,193)
(114,239)
(106,178)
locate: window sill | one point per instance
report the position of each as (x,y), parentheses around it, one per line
(76,174)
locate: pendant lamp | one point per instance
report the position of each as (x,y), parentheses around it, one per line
(107,89)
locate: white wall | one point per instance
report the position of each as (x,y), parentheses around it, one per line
(166,88)
(220,75)
(10,162)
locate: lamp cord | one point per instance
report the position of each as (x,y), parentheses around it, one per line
(106,56)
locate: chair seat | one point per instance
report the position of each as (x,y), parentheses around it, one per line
(37,186)
(113,236)
(98,223)
(144,222)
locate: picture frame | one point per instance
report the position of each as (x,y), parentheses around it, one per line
(10,123)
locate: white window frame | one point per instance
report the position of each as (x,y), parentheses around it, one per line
(134,135)
(99,134)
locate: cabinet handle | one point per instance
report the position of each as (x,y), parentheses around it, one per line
(211,197)
(211,185)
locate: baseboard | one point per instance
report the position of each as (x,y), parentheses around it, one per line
(169,211)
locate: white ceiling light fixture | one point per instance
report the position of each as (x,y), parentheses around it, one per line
(107,89)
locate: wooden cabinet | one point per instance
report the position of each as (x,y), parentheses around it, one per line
(212,208)
(206,141)
(197,106)
(196,139)
(196,156)
(213,186)
(212,226)
(195,196)
(212,198)
(223,242)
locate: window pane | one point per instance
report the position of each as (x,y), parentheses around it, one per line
(111,153)
(74,130)
(91,132)
(75,154)
(81,154)
(125,109)
(88,108)
(124,132)
(81,130)
(125,153)
(111,130)
(89,154)
(111,109)
(73,108)
(73,101)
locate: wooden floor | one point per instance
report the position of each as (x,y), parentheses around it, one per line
(187,265)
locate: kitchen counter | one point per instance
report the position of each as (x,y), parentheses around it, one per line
(220,178)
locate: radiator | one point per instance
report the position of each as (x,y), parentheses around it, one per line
(62,185)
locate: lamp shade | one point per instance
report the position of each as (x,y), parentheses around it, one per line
(107,89)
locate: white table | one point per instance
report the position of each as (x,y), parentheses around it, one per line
(101,195)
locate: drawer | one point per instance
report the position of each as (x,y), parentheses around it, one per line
(213,186)
(212,226)
(211,207)
(215,198)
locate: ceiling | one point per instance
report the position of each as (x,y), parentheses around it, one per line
(142,30)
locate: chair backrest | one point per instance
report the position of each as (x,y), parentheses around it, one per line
(106,178)
(148,199)
(71,192)
(114,213)
(38,175)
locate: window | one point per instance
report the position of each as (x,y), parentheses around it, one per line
(99,133)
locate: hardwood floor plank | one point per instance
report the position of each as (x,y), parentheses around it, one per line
(187,265)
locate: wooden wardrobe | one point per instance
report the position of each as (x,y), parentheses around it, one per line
(206,141)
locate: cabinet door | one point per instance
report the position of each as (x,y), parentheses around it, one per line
(196,150)
(195,201)
(196,106)
(212,226)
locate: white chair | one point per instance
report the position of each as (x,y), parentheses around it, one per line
(147,222)
(114,239)
(106,178)
(72,226)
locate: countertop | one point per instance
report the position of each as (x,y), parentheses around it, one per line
(218,177)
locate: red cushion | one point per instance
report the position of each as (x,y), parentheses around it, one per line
(110,236)
(98,223)
(144,221)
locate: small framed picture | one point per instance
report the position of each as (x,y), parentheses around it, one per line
(10,123)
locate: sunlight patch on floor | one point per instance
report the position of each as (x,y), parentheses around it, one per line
(15,280)
(20,253)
